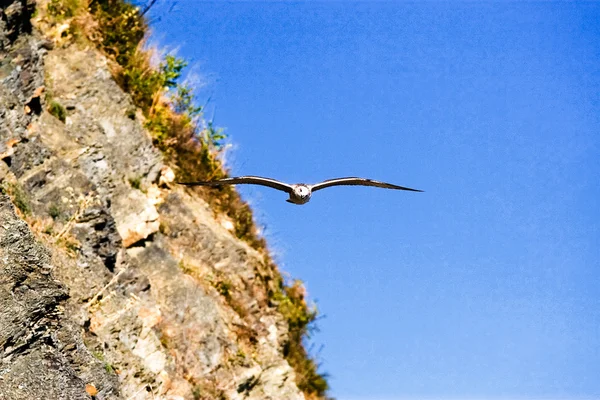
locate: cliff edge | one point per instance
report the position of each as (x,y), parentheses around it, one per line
(114,283)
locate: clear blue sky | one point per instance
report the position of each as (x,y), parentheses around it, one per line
(488,284)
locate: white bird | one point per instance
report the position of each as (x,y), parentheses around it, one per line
(300,193)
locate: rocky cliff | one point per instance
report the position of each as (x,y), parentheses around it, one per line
(115,283)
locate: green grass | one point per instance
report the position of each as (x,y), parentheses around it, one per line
(107,366)
(57,110)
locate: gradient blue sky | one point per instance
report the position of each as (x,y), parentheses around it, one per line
(488,284)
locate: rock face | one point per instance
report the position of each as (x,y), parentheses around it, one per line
(117,287)
(40,348)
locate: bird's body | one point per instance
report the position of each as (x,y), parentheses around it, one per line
(300,193)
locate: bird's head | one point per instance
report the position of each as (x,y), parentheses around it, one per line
(302,191)
(300,195)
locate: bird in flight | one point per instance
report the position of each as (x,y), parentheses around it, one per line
(300,193)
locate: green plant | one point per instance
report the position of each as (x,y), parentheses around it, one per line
(131,112)
(122,28)
(17,195)
(136,182)
(56,109)
(183,102)
(107,366)
(170,70)
(224,289)
(292,305)
(177,128)
(63,9)
(70,244)
(54,211)
(213,136)
(98,355)
(197,392)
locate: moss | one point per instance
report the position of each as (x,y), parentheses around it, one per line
(57,110)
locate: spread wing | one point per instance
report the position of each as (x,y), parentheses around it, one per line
(241,180)
(352,181)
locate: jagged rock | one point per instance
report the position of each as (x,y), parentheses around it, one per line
(97,231)
(14,20)
(167,176)
(136,217)
(28,296)
(41,355)
(4,171)
(20,68)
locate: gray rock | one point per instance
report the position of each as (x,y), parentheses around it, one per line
(14,20)
(41,355)
(98,234)
(28,296)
